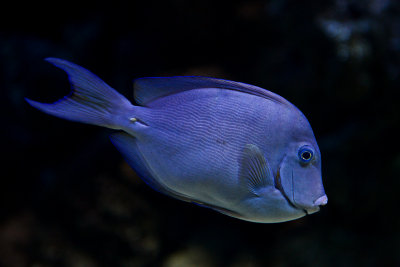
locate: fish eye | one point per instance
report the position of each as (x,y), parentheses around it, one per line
(306,154)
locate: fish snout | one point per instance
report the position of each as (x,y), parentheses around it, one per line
(321,201)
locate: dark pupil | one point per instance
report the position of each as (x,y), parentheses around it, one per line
(306,155)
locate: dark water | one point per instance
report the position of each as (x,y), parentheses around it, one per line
(67,197)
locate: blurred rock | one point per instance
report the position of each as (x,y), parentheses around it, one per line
(190,257)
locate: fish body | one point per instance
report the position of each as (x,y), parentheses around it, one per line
(236,148)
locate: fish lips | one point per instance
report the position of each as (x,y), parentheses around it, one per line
(321,201)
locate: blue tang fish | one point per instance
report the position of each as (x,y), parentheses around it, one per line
(236,148)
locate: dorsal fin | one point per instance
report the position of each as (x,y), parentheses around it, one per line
(149,89)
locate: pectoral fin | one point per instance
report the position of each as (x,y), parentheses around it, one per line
(254,173)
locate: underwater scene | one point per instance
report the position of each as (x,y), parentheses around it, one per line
(232,133)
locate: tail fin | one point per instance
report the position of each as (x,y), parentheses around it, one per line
(91,100)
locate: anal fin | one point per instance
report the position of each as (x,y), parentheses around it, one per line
(225,211)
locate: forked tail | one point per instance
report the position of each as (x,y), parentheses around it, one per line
(91,100)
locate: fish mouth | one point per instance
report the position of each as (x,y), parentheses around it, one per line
(321,201)
(278,185)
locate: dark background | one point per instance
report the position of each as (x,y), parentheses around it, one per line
(69,199)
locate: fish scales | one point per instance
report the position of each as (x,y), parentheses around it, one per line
(235,148)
